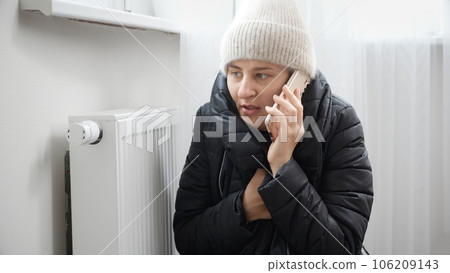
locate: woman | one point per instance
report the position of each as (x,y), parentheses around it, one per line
(305,189)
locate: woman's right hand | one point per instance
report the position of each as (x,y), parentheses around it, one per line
(286,126)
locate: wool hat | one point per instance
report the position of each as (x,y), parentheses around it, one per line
(269,30)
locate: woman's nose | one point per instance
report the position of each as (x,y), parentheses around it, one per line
(247,88)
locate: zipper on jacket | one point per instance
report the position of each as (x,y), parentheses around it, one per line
(220,174)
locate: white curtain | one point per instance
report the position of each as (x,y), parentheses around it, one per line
(391,60)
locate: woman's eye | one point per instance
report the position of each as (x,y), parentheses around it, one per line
(236,74)
(261,76)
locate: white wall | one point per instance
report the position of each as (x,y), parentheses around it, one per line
(51,68)
(205,21)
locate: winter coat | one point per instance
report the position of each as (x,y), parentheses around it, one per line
(320,201)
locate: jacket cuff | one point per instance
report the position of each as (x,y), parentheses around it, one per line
(288,182)
(240,212)
(231,222)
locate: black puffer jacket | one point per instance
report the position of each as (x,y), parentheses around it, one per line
(331,179)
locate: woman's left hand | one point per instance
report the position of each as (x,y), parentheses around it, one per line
(286,126)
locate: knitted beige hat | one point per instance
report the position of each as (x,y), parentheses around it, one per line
(269,30)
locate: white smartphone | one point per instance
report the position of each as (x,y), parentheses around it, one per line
(297,80)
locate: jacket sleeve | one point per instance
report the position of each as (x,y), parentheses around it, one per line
(333,218)
(200,225)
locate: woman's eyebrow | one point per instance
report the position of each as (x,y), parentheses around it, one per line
(234,66)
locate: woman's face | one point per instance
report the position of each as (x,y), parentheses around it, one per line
(252,84)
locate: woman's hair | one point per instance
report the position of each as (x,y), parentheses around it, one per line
(272,31)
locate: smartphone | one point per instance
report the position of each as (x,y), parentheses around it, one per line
(297,80)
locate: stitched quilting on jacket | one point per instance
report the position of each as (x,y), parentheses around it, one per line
(320,201)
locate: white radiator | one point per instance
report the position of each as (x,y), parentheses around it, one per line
(123,168)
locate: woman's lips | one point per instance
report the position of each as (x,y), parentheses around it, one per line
(248,110)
